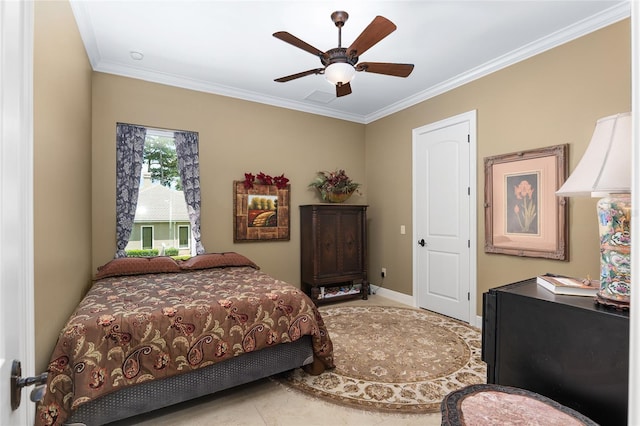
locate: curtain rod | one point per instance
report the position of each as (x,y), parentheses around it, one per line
(157,129)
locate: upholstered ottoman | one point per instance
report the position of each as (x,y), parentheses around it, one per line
(484,404)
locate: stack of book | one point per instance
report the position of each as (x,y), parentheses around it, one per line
(559,284)
(329,292)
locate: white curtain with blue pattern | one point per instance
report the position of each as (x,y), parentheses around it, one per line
(189,168)
(129,157)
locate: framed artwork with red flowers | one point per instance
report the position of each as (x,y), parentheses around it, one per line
(261,208)
(523,215)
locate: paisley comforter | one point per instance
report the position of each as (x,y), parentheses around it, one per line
(131,329)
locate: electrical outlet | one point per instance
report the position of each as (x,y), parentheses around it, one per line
(383,273)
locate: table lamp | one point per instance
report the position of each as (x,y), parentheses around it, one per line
(605,171)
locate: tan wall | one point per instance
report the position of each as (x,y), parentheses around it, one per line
(236,137)
(62,172)
(553,98)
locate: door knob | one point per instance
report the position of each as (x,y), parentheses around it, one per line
(18,382)
(421,242)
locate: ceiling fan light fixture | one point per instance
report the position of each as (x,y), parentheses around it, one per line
(339,72)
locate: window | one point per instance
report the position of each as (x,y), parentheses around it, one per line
(149,166)
(161,221)
(147,237)
(183,236)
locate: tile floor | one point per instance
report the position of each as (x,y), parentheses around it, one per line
(267,403)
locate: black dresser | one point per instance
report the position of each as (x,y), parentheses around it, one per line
(563,347)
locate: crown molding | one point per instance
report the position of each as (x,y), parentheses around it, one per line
(610,16)
(218,89)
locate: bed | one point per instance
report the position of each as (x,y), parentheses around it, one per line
(153,332)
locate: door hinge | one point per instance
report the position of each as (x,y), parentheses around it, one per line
(468,190)
(469,296)
(468,243)
(468,138)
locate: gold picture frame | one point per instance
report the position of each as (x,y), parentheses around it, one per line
(523,216)
(260,213)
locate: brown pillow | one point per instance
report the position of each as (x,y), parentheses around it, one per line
(137,266)
(216,260)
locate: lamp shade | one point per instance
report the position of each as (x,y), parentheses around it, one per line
(339,72)
(605,167)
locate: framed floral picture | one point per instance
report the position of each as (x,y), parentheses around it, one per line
(260,212)
(523,215)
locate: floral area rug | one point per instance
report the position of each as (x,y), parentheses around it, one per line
(393,359)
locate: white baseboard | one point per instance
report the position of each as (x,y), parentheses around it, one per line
(410,301)
(394,295)
(478,322)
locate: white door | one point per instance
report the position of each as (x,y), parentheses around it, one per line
(444,216)
(16,203)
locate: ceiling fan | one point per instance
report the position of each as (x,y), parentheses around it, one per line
(340,64)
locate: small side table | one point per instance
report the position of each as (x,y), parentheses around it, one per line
(487,404)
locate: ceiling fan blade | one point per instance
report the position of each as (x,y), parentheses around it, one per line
(378,29)
(293,40)
(397,70)
(300,74)
(343,89)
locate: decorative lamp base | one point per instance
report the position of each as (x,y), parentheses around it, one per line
(614,218)
(610,303)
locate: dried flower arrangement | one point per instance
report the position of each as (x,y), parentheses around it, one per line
(334,186)
(279,181)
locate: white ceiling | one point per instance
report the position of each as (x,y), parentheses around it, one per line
(227,47)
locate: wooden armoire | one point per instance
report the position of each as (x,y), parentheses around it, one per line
(333,246)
